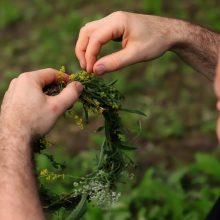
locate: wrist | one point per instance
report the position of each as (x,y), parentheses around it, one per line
(179,33)
(14,134)
(169,32)
(187,35)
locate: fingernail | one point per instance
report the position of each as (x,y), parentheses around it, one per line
(100,69)
(79,87)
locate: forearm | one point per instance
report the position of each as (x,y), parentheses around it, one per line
(18,189)
(197,46)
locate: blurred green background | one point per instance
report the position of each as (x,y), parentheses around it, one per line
(178,167)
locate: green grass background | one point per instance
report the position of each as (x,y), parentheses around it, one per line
(178,168)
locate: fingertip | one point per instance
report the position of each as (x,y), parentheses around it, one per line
(99,69)
(79,87)
(76,87)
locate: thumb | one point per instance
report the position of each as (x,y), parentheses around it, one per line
(67,96)
(115,61)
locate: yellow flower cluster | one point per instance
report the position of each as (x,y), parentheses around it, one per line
(97,110)
(84,76)
(50,176)
(79,121)
(46,143)
(60,76)
(72,76)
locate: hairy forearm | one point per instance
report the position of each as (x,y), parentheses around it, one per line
(18,189)
(197,46)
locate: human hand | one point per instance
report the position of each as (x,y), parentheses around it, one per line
(144,37)
(26,110)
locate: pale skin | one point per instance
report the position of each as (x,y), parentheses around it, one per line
(145,37)
(27,113)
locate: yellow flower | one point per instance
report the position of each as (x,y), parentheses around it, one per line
(45,142)
(50,176)
(62,69)
(60,75)
(44,172)
(72,76)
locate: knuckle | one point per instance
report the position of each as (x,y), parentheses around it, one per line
(119,14)
(83,30)
(50,69)
(95,37)
(116,63)
(13,81)
(87,27)
(54,107)
(89,24)
(24,75)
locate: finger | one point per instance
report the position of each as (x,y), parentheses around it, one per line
(96,41)
(47,76)
(44,76)
(115,61)
(83,40)
(80,49)
(66,98)
(81,46)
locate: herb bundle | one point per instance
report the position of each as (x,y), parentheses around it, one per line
(99,186)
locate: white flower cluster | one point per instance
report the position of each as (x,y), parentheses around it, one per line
(101,195)
(98,190)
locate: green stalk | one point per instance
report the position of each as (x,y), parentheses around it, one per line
(80,209)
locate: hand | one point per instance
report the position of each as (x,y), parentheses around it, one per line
(144,37)
(26,110)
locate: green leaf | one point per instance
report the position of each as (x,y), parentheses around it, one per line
(86,114)
(100,129)
(80,209)
(112,83)
(101,155)
(133,111)
(126,147)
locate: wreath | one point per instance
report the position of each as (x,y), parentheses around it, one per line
(112,162)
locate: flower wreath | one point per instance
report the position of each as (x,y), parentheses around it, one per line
(99,186)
